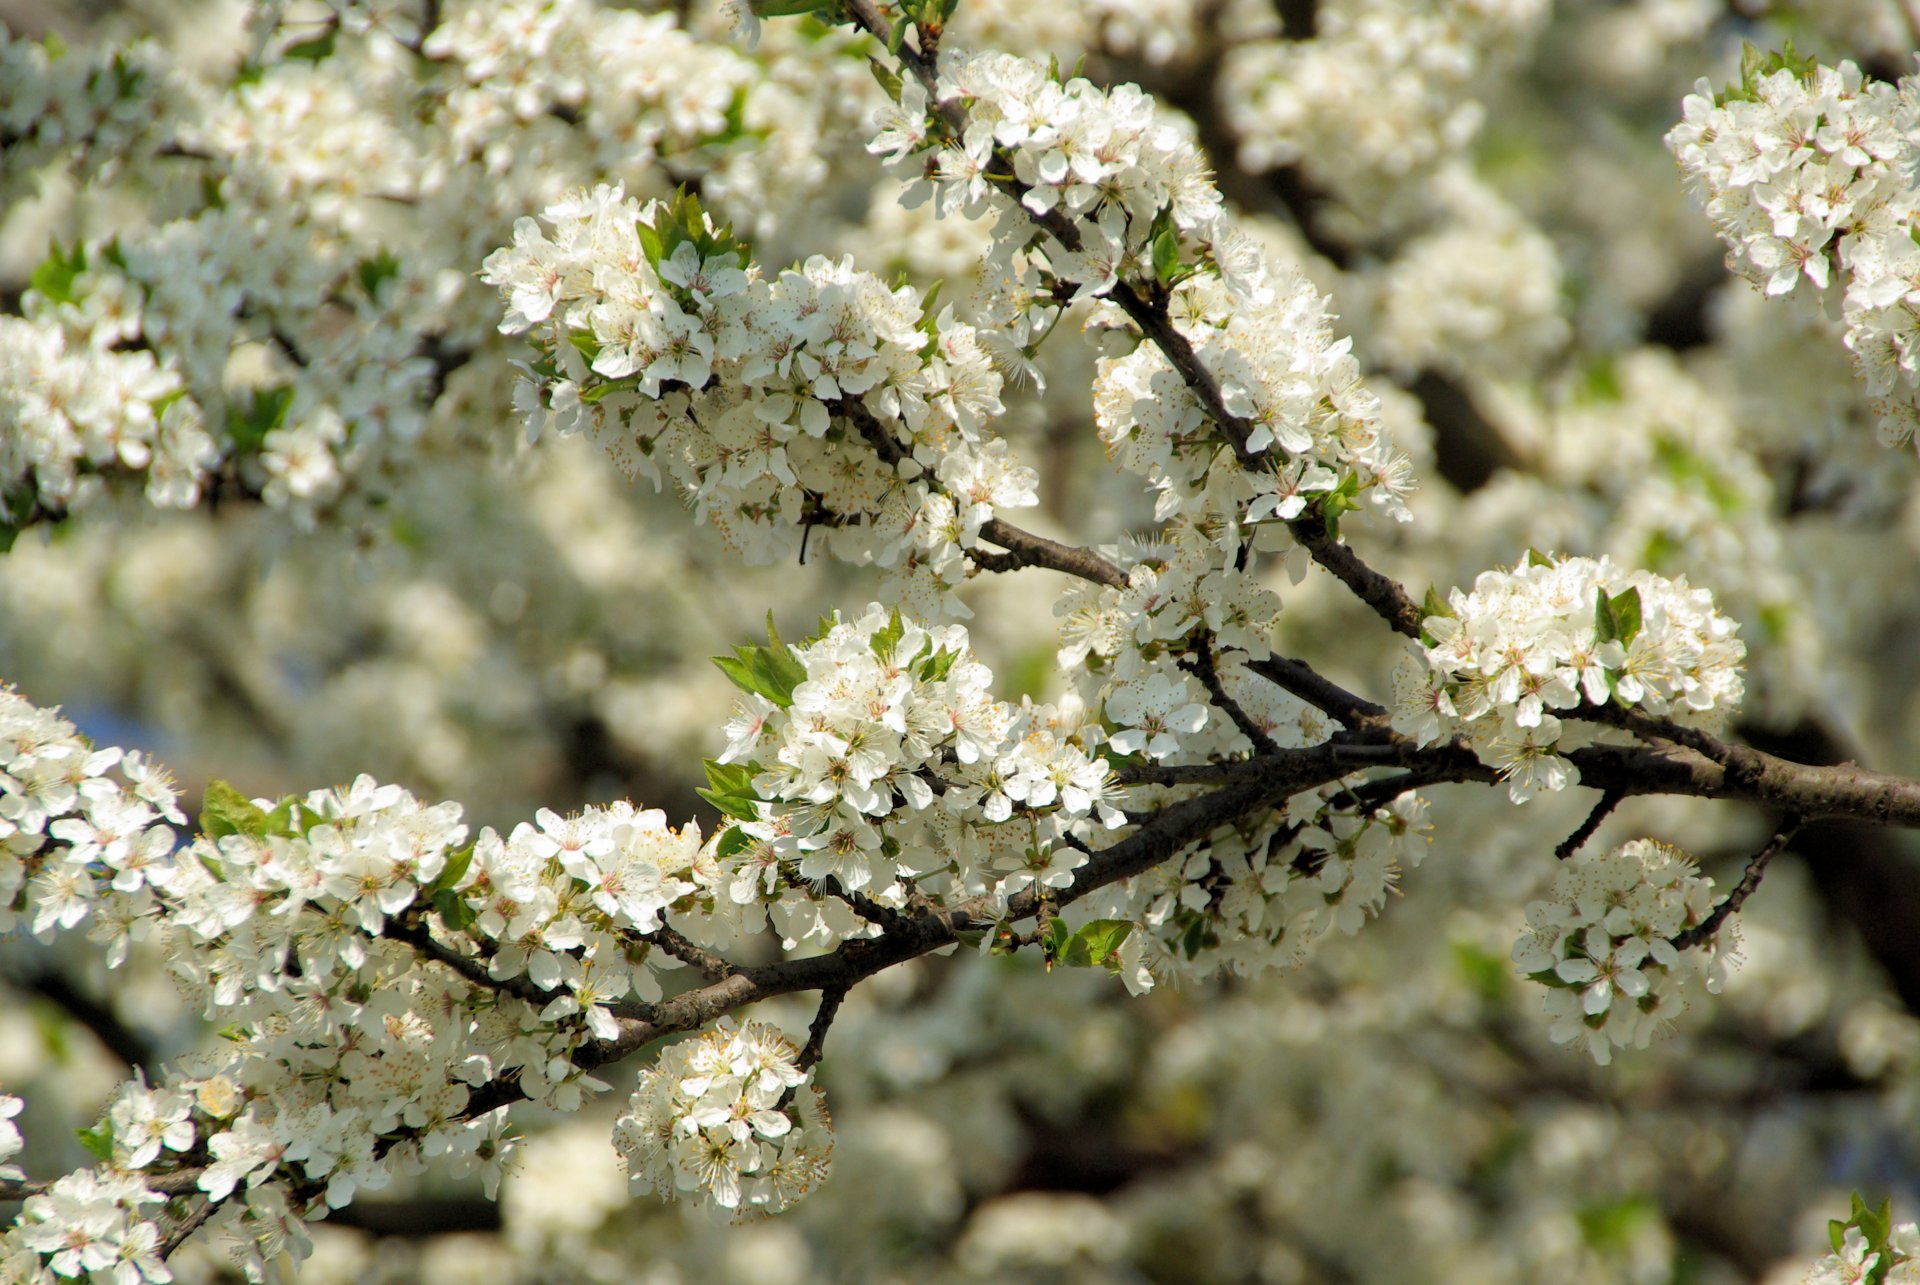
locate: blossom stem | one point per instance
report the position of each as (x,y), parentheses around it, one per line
(1704,931)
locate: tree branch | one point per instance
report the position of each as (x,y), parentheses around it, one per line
(1704,931)
(1331,699)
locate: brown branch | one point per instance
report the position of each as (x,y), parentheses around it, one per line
(1601,810)
(711,966)
(188,1225)
(1201,666)
(1331,699)
(822,1021)
(1023,548)
(412,930)
(1383,593)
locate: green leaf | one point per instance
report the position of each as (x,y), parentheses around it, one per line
(1166,255)
(376,272)
(1535,558)
(453,910)
(1340,500)
(98,1140)
(1837,1233)
(1625,609)
(888,78)
(651,243)
(458,862)
(314,50)
(937,666)
(730,789)
(254,414)
(55,276)
(1058,937)
(1604,624)
(887,637)
(1102,938)
(224,811)
(733,841)
(772,671)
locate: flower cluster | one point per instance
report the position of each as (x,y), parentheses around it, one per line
(1603,945)
(1384,89)
(730,1115)
(886,766)
(69,413)
(1144,214)
(762,398)
(1806,171)
(83,106)
(93,1223)
(1264,894)
(328,882)
(1560,635)
(1315,426)
(80,828)
(300,928)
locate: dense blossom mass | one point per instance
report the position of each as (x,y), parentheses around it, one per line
(1569,635)
(1807,171)
(1603,945)
(304,277)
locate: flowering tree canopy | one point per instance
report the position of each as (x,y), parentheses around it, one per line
(1207,458)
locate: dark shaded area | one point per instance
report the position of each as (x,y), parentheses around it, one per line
(1864,874)
(420,1216)
(119,1039)
(1467,449)
(1679,321)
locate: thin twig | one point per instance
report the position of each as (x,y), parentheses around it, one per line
(822,1019)
(710,965)
(1201,666)
(1756,868)
(188,1225)
(1609,800)
(413,931)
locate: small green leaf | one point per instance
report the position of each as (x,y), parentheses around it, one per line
(1058,936)
(887,637)
(1624,607)
(1103,937)
(888,78)
(733,841)
(1166,255)
(651,243)
(224,810)
(1604,625)
(451,873)
(255,413)
(937,666)
(314,50)
(376,272)
(98,1140)
(453,910)
(55,276)
(730,789)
